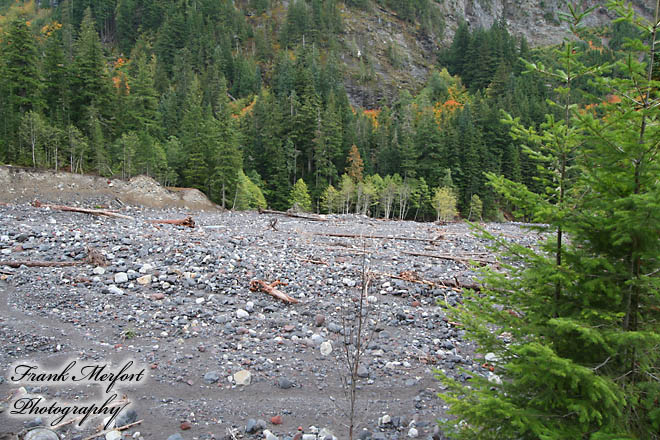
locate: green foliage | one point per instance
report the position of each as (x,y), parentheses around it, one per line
(476,207)
(573,326)
(329,199)
(248,195)
(444,202)
(299,198)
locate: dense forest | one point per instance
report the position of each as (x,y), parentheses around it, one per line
(244,99)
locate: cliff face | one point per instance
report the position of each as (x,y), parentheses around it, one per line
(384,54)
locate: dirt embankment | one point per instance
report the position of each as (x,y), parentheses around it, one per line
(21,185)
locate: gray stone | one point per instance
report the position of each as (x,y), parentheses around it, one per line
(121,277)
(34,422)
(126,417)
(362,371)
(211,377)
(251,426)
(284,383)
(176,436)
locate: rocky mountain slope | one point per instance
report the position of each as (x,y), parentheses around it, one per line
(399,55)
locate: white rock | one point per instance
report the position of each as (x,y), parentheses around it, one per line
(249,306)
(412,433)
(243,377)
(115,290)
(494,378)
(98,270)
(269,435)
(348,282)
(240,313)
(121,277)
(113,435)
(326,348)
(384,420)
(199,300)
(490,357)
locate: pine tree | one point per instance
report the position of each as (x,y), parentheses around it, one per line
(90,81)
(581,365)
(20,83)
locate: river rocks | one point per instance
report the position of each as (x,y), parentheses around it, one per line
(166,291)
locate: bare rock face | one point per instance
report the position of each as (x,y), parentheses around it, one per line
(384,54)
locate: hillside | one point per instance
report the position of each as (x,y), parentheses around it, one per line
(373,104)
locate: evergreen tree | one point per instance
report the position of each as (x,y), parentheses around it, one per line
(20,83)
(582,364)
(91,81)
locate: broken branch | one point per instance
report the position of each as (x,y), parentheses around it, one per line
(188,221)
(271,290)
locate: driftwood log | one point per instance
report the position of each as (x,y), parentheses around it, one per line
(383,237)
(103,212)
(461,259)
(412,277)
(272,290)
(314,218)
(188,221)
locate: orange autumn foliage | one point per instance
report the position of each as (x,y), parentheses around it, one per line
(373,116)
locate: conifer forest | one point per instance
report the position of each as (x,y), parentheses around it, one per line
(247,101)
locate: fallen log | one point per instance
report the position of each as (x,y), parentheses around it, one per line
(104,212)
(188,221)
(465,260)
(315,218)
(271,290)
(308,260)
(383,237)
(454,284)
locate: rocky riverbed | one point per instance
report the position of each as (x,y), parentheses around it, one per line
(223,361)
